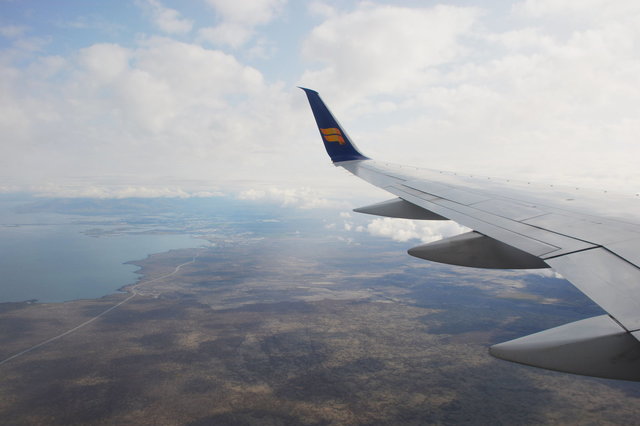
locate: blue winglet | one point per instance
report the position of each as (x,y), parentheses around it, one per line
(336,141)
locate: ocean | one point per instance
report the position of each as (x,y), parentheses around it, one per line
(57,250)
(54,263)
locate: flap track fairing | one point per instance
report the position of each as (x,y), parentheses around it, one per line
(400,208)
(477,251)
(596,346)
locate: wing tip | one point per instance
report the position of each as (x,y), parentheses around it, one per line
(307,90)
(336,141)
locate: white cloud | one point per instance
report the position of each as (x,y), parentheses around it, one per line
(304,198)
(251,13)
(160,109)
(523,39)
(546,97)
(105,62)
(547,273)
(571,10)
(239,20)
(405,230)
(166,19)
(109,191)
(228,34)
(548,94)
(385,49)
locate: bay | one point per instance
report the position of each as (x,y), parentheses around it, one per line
(57,262)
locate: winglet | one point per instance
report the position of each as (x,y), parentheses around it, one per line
(336,141)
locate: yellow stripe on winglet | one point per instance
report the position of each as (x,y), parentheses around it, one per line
(334,138)
(331,131)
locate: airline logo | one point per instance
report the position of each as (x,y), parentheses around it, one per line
(333,135)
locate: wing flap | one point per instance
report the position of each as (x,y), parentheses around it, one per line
(607,279)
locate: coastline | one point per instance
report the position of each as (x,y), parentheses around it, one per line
(62,265)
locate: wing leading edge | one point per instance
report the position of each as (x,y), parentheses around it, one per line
(515,228)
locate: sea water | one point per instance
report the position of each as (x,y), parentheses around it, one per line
(58,262)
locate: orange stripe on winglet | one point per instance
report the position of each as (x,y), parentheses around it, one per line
(331,131)
(334,138)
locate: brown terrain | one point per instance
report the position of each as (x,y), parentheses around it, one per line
(265,333)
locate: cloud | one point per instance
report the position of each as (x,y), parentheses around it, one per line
(239,20)
(304,198)
(405,230)
(117,192)
(167,20)
(385,49)
(163,108)
(550,96)
(572,10)
(104,63)
(251,13)
(160,109)
(226,34)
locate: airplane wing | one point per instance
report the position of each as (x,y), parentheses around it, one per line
(523,227)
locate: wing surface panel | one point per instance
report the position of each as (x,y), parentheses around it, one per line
(628,250)
(607,279)
(514,210)
(448,192)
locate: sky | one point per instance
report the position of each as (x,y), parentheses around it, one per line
(196,98)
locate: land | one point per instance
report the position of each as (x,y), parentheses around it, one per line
(283,318)
(280,331)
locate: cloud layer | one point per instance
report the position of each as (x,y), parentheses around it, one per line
(530,89)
